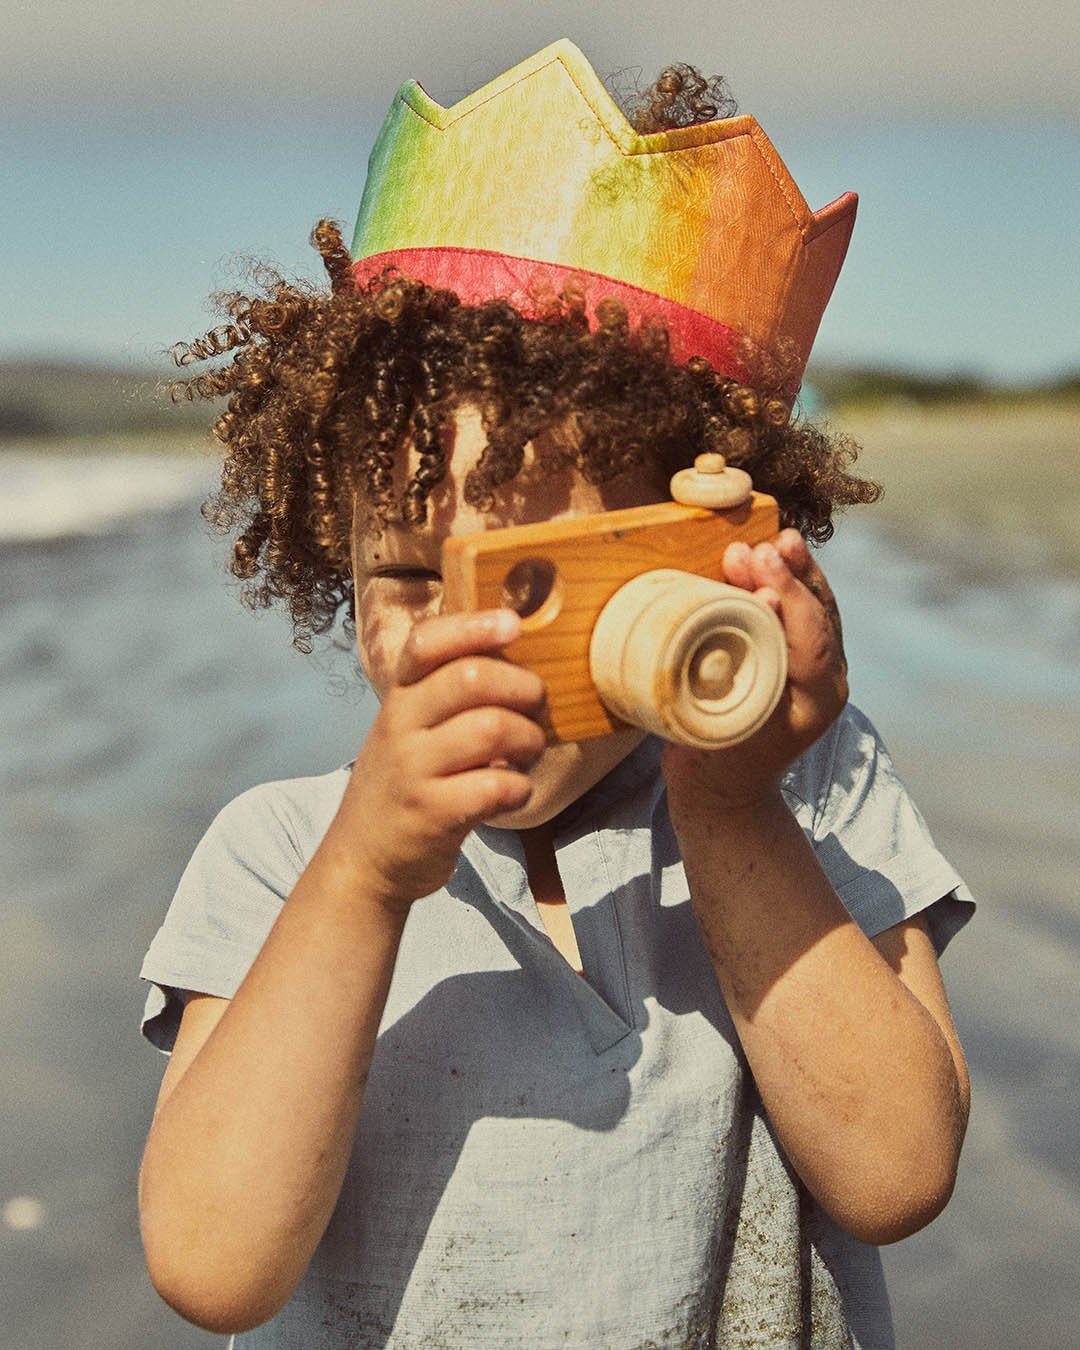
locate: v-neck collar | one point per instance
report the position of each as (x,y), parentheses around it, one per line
(602,993)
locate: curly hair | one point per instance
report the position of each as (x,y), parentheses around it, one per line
(680,96)
(324,387)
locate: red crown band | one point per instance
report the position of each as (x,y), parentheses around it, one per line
(478,275)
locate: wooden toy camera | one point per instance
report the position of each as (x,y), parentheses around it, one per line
(625,616)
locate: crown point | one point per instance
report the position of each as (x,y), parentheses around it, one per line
(538,175)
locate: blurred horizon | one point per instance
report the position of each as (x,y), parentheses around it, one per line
(147,150)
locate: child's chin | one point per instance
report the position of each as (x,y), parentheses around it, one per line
(525,819)
(538,810)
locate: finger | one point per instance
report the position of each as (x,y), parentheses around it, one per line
(817,669)
(763,568)
(793,549)
(803,616)
(738,565)
(477,795)
(476,682)
(444,637)
(483,737)
(770,568)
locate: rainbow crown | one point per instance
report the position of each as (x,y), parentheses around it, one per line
(538,179)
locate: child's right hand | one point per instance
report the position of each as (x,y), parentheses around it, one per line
(258,1110)
(451,747)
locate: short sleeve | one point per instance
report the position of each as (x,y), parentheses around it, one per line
(230,894)
(870,837)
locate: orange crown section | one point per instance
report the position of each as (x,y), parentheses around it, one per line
(539,176)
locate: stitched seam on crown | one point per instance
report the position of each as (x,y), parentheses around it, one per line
(779,183)
(840,218)
(596,113)
(557,60)
(607,131)
(491,97)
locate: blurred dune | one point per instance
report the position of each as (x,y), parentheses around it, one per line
(985,488)
(42,400)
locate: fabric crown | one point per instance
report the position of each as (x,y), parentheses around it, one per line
(538,180)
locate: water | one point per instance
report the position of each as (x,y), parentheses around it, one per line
(137,696)
(59,496)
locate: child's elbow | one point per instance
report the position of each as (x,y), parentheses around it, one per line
(213,1294)
(893,1210)
(224,1312)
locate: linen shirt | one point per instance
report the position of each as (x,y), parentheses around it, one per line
(544,1159)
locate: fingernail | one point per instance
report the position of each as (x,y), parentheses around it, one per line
(770,558)
(503,624)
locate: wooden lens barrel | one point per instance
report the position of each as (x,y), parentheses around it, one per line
(693,660)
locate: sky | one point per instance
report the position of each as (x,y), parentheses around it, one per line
(147,147)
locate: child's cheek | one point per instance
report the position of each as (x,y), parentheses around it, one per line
(381,631)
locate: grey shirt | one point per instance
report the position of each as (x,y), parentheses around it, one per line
(548,1160)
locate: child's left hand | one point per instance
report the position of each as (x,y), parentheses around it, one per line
(849,1039)
(785,577)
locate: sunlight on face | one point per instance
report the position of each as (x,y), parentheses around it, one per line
(398,583)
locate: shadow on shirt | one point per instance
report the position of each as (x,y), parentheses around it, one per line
(467,1194)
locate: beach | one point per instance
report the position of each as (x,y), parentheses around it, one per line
(137,697)
(980,703)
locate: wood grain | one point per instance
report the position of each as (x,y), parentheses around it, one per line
(587,559)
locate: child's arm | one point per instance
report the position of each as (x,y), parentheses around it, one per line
(850,1040)
(257,1111)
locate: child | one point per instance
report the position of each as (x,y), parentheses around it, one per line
(483,1042)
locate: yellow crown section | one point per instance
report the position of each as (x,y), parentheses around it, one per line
(542,165)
